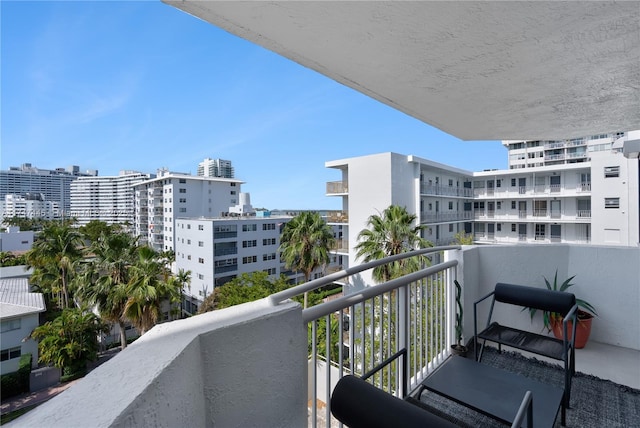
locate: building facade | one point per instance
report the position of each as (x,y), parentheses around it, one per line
(592,201)
(217,250)
(29,206)
(54,185)
(107,198)
(159,201)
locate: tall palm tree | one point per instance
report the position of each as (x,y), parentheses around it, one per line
(106,275)
(393,232)
(305,244)
(54,256)
(149,285)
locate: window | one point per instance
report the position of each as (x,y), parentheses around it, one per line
(451,227)
(271,256)
(188,226)
(249,244)
(268,226)
(183,200)
(200,227)
(182,190)
(189,257)
(12,324)
(182,181)
(513,182)
(269,241)
(450,182)
(183,210)
(200,260)
(499,227)
(249,259)
(200,276)
(188,241)
(611,171)
(249,227)
(10,354)
(612,202)
(499,205)
(450,205)
(513,206)
(513,227)
(200,244)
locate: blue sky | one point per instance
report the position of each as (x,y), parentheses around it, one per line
(142,85)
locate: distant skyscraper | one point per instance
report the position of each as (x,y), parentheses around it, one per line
(215,168)
(53,185)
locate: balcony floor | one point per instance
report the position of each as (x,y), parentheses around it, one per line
(619,365)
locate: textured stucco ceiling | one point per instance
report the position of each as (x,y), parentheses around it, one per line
(478,70)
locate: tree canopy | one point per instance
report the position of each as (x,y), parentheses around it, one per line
(391,233)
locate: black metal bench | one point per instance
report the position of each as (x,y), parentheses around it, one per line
(541,299)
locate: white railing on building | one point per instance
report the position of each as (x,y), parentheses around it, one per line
(360,330)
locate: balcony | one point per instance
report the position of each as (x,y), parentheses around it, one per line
(266,375)
(337,187)
(337,217)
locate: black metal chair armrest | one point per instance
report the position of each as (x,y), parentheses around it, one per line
(526,409)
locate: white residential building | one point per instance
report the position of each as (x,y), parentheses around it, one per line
(216,250)
(594,201)
(29,206)
(54,184)
(159,201)
(20,311)
(107,198)
(216,168)
(16,240)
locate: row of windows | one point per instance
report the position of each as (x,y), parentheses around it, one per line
(249,259)
(249,244)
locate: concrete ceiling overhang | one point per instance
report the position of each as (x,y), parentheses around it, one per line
(478,70)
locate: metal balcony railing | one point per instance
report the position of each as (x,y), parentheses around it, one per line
(583,214)
(353,333)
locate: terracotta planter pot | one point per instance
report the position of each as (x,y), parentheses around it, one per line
(583,330)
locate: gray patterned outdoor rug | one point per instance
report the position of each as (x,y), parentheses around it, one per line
(595,403)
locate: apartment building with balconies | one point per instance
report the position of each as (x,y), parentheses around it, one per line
(172,195)
(106,198)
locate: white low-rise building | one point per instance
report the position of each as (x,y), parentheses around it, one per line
(16,240)
(20,311)
(217,250)
(29,206)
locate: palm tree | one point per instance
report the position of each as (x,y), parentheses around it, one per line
(305,244)
(106,275)
(393,232)
(149,285)
(70,340)
(54,256)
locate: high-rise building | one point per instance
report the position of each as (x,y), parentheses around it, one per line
(215,168)
(54,185)
(160,201)
(107,198)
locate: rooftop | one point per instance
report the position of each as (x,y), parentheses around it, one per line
(16,298)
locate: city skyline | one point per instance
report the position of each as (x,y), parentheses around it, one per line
(141,85)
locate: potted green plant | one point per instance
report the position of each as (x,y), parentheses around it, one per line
(553,321)
(458,348)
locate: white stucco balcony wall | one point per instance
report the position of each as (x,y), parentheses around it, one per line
(214,369)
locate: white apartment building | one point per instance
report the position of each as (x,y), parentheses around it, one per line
(54,184)
(216,168)
(171,195)
(592,201)
(216,250)
(16,240)
(106,198)
(29,206)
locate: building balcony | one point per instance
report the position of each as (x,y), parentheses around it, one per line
(337,217)
(439,190)
(253,365)
(337,187)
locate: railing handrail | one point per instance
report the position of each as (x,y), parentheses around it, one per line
(279,297)
(343,302)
